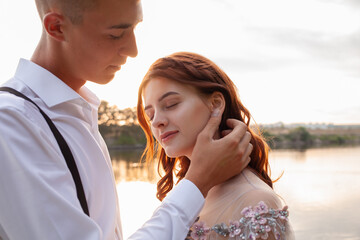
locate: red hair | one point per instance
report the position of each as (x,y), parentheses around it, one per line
(197,71)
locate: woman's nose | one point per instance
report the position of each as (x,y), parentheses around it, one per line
(159,120)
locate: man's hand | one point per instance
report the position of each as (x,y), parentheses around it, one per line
(215,161)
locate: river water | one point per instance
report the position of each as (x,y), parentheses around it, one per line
(320,186)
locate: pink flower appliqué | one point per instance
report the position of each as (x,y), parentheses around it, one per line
(234,228)
(259,219)
(256,224)
(200,231)
(247,212)
(283,214)
(264,229)
(261,208)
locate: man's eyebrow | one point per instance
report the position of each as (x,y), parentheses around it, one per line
(161,98)
(120,26)
(124,25)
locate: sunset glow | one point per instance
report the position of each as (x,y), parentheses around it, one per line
(292,61)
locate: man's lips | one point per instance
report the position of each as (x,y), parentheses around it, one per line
(115,67)
(167,135)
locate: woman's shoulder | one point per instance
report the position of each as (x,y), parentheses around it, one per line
(256,221)
(239,185)
(253,221)
(245,190)
(258,213)
(254,190)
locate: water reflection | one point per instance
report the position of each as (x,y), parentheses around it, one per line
(127,167)
(321,187)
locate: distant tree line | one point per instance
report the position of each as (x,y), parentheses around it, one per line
(120,129)
(300,137)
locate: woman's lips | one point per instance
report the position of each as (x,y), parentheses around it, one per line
(167,136)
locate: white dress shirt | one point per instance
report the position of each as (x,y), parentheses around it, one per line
(37,193)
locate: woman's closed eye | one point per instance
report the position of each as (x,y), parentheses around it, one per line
(171,105)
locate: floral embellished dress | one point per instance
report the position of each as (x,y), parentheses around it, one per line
(244,207)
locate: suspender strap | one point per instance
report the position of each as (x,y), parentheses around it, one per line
(70,162)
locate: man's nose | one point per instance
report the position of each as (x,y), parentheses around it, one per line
(129,48)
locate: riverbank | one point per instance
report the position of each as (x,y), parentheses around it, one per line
(121,131)
(283,137)
(131,137)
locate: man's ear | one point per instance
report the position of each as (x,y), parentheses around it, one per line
(217,102)
(53,24)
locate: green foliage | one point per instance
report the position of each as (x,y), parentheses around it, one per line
(119,127)
(111,115)
(271,139)
(299,136)
(130,135)
(336,139)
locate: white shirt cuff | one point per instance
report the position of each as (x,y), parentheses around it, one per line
(187,197)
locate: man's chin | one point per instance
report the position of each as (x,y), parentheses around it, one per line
(103,81)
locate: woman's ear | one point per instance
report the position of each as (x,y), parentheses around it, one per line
(217,102)
(53,24)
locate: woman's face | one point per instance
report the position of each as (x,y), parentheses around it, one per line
(177,114)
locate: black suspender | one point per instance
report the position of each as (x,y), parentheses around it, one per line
(64,149)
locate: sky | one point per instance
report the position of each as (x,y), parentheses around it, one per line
(294,61)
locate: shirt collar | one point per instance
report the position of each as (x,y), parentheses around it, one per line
(50,88)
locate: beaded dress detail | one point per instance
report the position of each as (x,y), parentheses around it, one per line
(243,208)
(256,223)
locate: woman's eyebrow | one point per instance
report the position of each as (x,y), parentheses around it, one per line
(161,98)
(167,94)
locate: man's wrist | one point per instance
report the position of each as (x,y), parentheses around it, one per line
(203,187)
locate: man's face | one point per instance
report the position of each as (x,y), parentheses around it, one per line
(96,48)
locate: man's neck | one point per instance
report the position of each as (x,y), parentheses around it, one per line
(46,57)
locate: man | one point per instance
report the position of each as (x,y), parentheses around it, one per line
(88,40)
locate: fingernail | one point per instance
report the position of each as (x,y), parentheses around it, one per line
(215,113)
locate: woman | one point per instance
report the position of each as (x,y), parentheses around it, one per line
(176,98)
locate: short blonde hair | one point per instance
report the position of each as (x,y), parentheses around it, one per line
(72,9)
